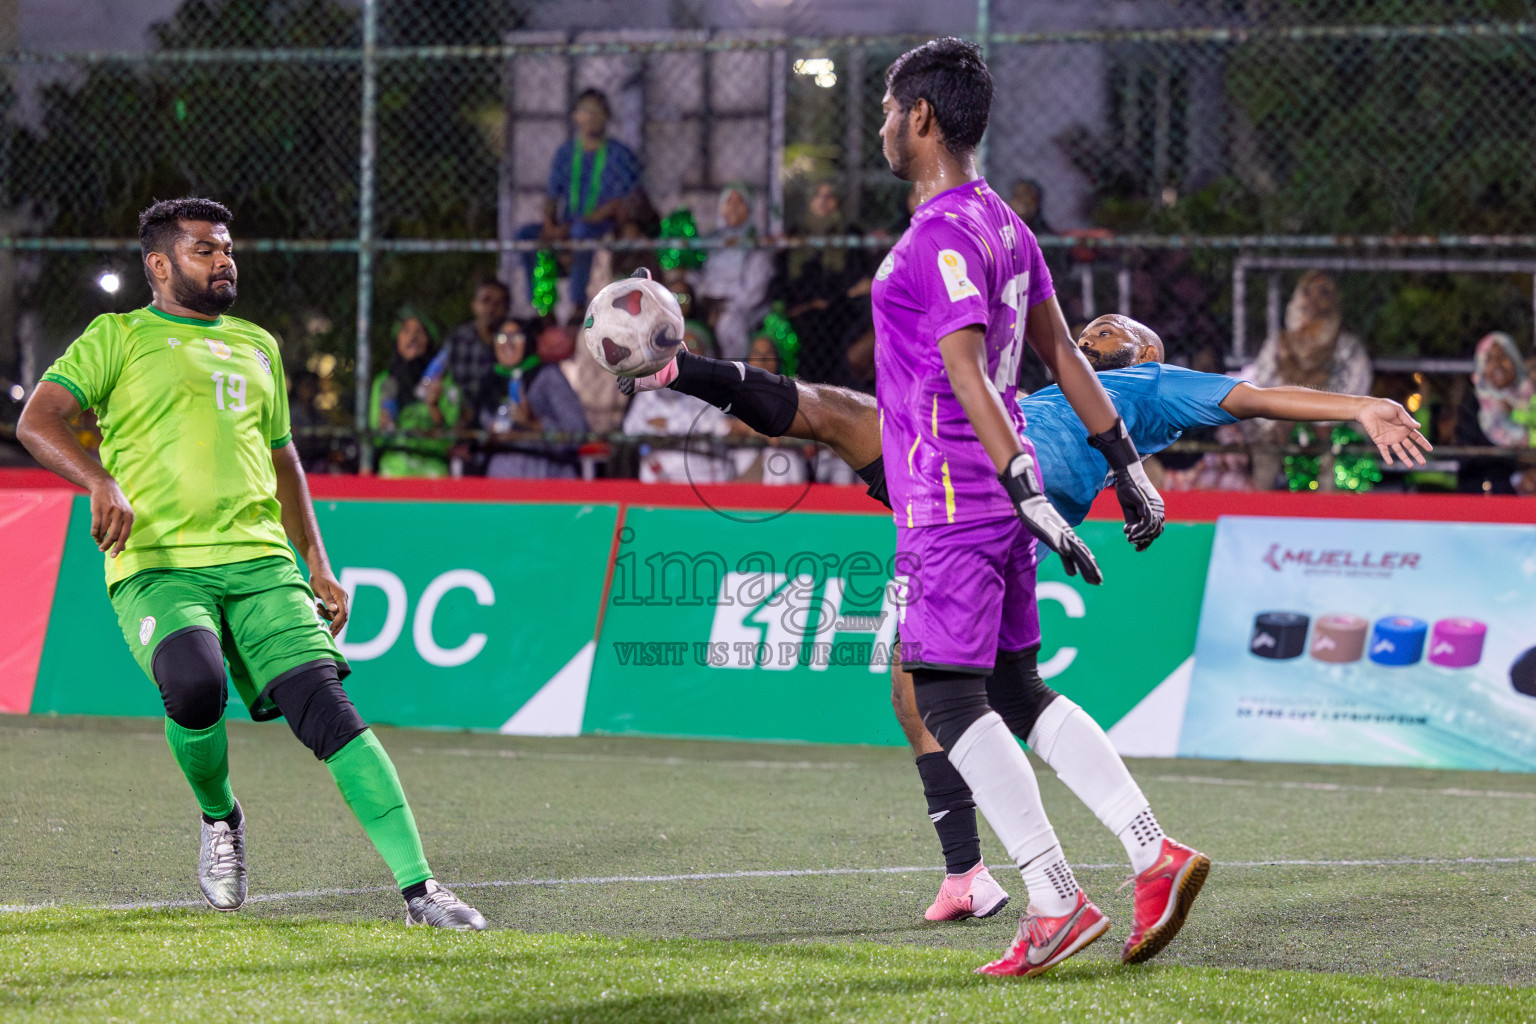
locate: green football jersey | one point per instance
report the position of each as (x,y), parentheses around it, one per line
(190,411)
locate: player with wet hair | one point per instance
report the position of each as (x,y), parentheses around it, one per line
(1158,402)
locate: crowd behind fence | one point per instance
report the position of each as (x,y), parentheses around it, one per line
(1185,172)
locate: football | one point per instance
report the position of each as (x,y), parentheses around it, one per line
(634,326)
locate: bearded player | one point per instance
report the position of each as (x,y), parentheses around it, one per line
(954,303)
(1158,403)
(194,503)
(1161,401)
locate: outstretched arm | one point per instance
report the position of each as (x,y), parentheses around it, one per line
(45,432)
(304,531)
(1393,430)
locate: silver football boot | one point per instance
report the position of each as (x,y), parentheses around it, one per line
(440,908)
(221,864)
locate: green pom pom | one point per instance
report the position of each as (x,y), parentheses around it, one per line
(778,328)
(679,224)
(546,277)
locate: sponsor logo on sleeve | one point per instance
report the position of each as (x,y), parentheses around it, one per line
(266,364)
(952,271)
(887,266)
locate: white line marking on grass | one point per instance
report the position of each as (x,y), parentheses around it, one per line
(529,755)
(1341,787)
(725,876)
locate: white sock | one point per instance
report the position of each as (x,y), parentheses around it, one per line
(1143,839)
(1052,886)
(1003,785)
(1071,742)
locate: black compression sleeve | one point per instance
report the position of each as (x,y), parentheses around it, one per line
(873,476)
(766,402)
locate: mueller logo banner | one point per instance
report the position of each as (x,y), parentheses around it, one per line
(1365,642)
(1312,561)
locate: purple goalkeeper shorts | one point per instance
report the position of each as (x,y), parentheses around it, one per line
(970,592)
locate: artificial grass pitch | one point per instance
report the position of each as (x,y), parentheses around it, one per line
(638,880)
(129,965)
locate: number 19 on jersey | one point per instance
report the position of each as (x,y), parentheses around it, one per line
(234,386)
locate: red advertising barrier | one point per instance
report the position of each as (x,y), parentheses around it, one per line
(1183,506)
(32,526)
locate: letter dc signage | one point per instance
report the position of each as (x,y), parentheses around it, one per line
(421,623)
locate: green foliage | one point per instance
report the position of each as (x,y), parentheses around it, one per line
(276,141)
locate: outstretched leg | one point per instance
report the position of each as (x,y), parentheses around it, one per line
(777,406)
(324,719)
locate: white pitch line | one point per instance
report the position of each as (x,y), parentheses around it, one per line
(529,755)
(719,876)
(1198,780)
(1342,787)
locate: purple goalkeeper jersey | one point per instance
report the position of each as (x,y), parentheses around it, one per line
(966,259)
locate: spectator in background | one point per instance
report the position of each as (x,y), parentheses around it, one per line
(1312,351)
(1501,391)
(394,387)
(1026,200)
(736,276)
(535,397)
(668,413)
(777,463)
(304,415)
(601,401)
(593,191)
(898,227)
(1503,388)
(682,291)
(699,338)
(393,404)
(471,360)
(826,291)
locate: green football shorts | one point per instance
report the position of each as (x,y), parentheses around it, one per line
(262,611)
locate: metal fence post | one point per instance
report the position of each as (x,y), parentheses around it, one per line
(984,40)
(1239,313)
(367,151)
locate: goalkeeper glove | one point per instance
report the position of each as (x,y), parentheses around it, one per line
(1041,518)
(1139,500)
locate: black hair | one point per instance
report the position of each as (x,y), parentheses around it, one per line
(160,223)
(594,94)
(493,282)
(950,74)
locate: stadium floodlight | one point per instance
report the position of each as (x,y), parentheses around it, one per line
(109,282)
(820,69)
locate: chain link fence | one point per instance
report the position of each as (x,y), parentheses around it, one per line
(383,155)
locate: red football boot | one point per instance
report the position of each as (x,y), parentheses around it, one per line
(1044,942)
(1164,894)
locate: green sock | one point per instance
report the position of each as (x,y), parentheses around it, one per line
(368,783)
(203,756)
